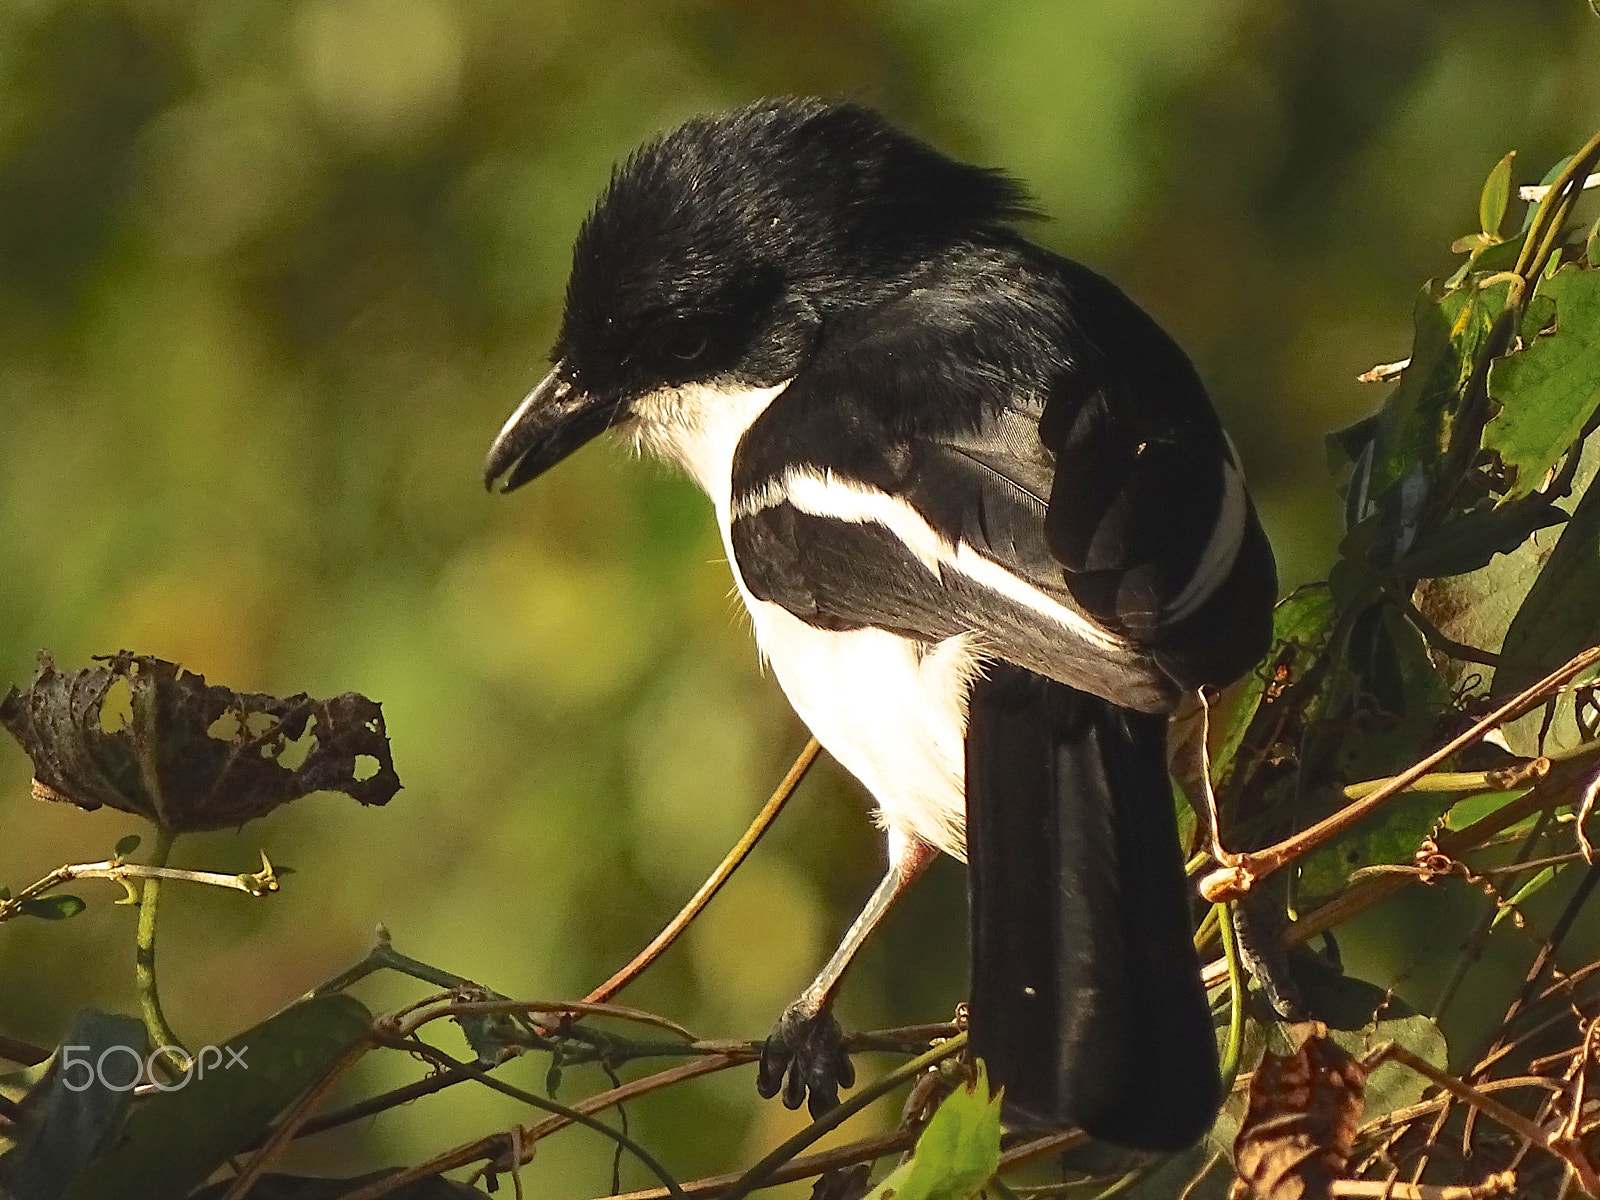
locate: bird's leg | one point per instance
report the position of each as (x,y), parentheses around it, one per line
(805,1053)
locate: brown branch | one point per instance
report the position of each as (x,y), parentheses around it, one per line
(1243,870)
(713,884)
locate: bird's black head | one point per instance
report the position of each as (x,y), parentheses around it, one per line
(722,250)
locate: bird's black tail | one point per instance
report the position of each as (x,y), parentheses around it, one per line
(1086,1000)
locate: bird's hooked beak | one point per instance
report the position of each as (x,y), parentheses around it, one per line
(552,421)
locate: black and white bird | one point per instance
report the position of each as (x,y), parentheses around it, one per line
(989,531)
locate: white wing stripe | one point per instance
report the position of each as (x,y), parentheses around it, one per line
(1221,552)
(824,494)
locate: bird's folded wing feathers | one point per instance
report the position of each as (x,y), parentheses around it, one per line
(1044,504)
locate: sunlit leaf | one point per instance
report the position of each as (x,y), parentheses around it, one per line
(1415,424)
(1541,877)
(1495,196)
(1549,390)
(1560,615)
(957,1153)
(1359,1016)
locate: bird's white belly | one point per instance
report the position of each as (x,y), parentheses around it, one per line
(892,713)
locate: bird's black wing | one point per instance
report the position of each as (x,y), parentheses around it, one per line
(1022,455)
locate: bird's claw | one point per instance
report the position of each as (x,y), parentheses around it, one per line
(805,1056)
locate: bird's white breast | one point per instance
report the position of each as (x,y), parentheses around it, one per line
(892,711)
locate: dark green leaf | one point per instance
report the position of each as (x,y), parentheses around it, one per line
(1549,390)
(957,1153)
(78,1106)
(1560,615)
(1360,1016)
(186,755)
(1496,195)
(1471,541)
(176,1140)
(1299,626)
(53,908)
(1394,695)
(127,845)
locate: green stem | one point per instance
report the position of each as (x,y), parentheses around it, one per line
(144,961)
(1236,996)
(757,1175)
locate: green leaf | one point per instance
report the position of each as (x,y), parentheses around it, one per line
(1469,542)
(1359,1016)
(1560,616)
(127,845)
(1414,426)
(957,1153)
(1542,877)
(177,1139)
(1396,695)
(1496,195)
(77,1107)
(53,908)
(1549,390)
(1299,626)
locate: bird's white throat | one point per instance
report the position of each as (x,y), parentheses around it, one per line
(698,426)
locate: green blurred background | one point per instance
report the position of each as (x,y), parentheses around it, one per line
(271,275)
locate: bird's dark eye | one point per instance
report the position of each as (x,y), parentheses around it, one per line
(688,345)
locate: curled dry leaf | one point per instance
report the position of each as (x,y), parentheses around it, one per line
(144,736)
(1301,1123)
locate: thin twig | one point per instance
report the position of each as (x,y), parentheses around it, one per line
(1244,870)
(1538,191)
(458,1007)
(258,883)
(297,1116)
(713,884)
(866,1150)
(1357,899)
(1502,1184)
(758,1175)
(392,1183)
(22,1052)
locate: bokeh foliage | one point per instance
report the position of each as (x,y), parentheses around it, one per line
(270,276)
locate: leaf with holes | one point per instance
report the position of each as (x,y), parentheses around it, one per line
(144,736)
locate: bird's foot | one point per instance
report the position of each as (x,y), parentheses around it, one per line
(805,1056)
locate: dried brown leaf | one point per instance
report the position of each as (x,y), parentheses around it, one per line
(1301,1122)
(187,755)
